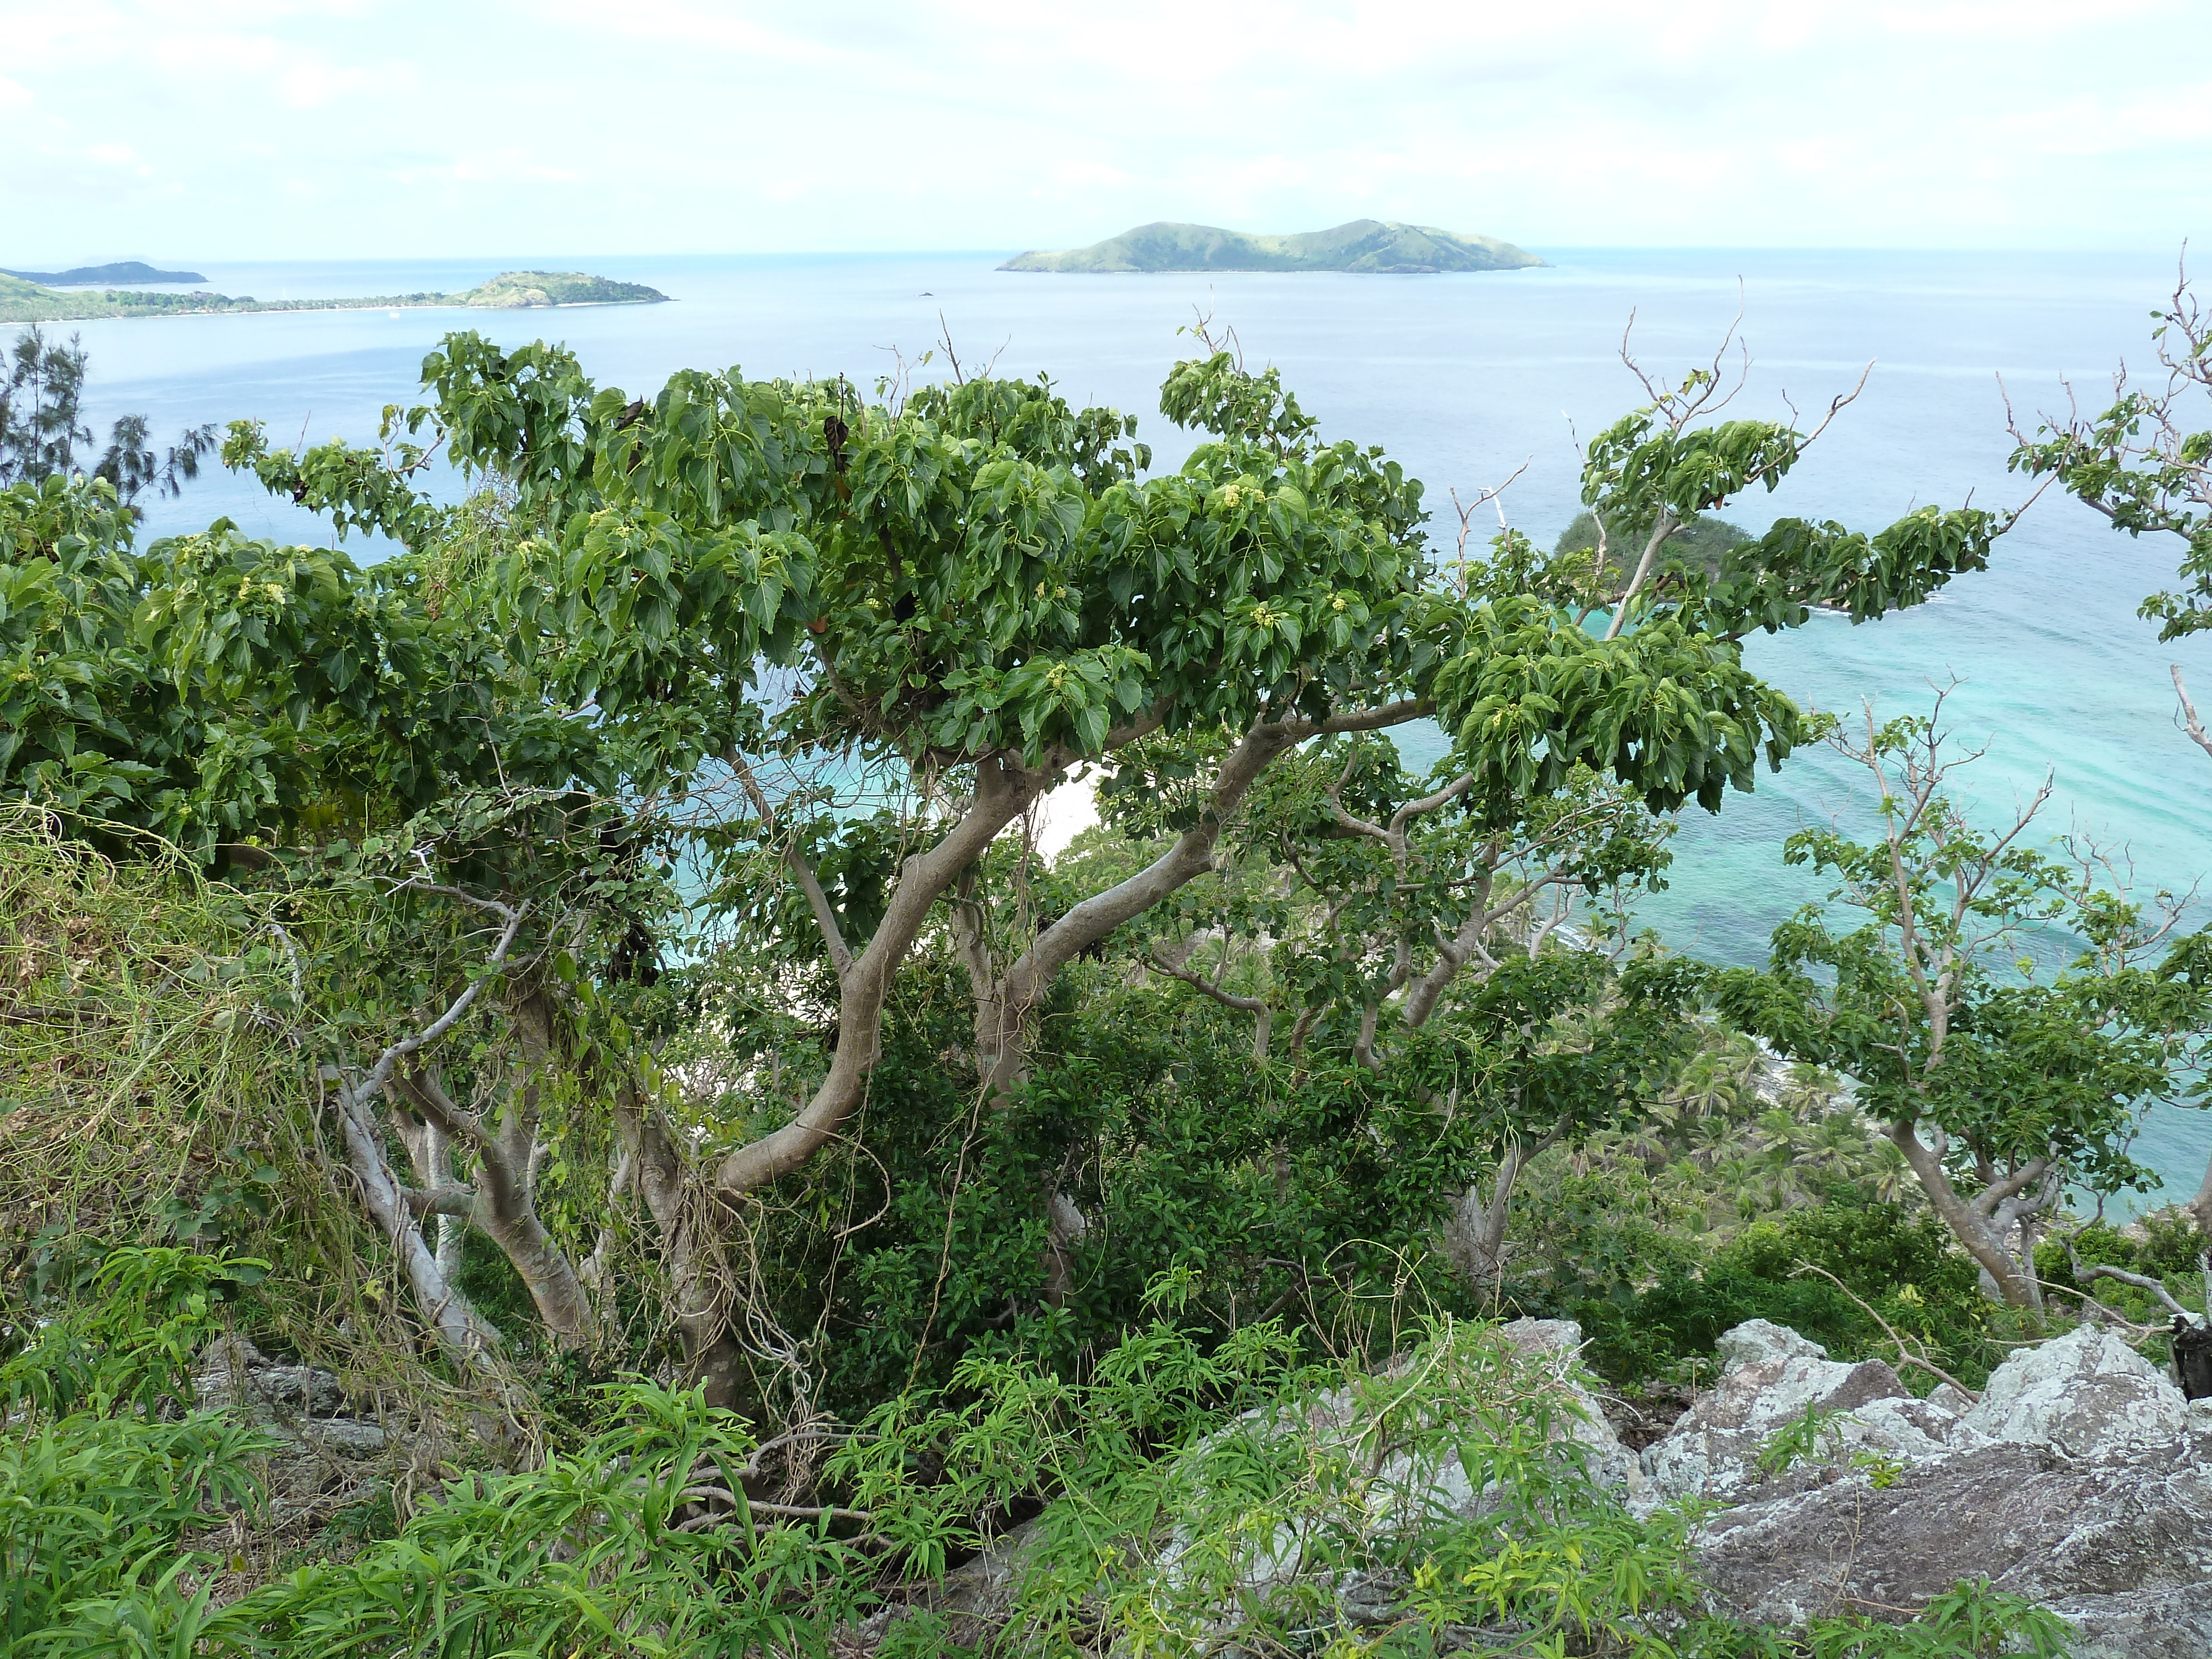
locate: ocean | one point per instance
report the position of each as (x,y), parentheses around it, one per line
(1462,379)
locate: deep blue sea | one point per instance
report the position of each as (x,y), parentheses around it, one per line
(1462,379)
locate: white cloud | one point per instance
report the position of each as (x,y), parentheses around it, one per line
(415,127)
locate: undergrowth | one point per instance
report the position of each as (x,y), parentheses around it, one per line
(1188,1502)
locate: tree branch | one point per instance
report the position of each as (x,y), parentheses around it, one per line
(825,918)
(2191,725)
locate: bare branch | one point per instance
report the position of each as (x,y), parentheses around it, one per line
(1256,1006)
(1906,1356)
(2164,1296)
(2190,724)
(380,1074)
(825,918)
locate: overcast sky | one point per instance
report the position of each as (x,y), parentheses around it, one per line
(230,129)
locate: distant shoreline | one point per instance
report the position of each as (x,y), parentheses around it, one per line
(513,290)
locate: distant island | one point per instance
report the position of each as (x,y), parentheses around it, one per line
(129,271)
(22,302)
(1379,247)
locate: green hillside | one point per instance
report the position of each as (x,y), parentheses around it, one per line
(1368,245)
(128,271)
(27,302)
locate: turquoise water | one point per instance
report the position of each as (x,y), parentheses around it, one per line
(1462,379)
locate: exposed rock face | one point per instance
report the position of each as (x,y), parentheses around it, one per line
(2086,1395)
(2080,1479)
(2121,1537)
(1558,1343)
(1770,1377)
(302,1403)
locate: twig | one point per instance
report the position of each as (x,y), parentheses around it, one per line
(1905,1355)
(2139,1280)
(2138,1332)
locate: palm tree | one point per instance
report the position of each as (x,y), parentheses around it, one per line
(1741,1183)
(1711,1137)
(1891,1179)
(1836,1142)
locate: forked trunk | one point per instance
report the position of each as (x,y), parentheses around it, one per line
(1983,1236)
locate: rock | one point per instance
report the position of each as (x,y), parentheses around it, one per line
(2085,1394)
(1908,1430)
(234,1372)
(2124,1541)
(2200,1431)
(1757,1341)
(340,1437)
(1770,1378)
(1558,1343)
(1951,1398)
(301,1403)
(2174,1623)
(977,1599)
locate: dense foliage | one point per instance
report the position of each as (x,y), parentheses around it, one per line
(593,981)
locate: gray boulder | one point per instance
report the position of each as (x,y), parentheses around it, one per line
(304,1404)
(2123,1544)
(1558,1344)
(2080,1479)
(1770,1377)
(2085,1394)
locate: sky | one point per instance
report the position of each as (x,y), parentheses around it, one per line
(249,129)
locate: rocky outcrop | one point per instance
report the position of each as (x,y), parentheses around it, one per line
(1557,1345)
(1770,1377)
(304,1404)
(2086,1395)
(2081,1479)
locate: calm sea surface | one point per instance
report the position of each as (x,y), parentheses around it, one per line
(1461,379)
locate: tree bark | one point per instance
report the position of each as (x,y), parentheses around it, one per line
(1970,1224)
(1474,1237)
(506,1198)
(1006,1016)
(673,1196)
(460,1331)
(1003,791)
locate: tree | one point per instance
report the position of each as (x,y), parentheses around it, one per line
(1564,746)
(1999,1088)
(2141,465)
(661,621)
(41,425)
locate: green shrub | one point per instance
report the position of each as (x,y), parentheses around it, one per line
(1901,1267)
(127,1343)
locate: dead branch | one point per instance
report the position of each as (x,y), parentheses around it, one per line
(1906,1355)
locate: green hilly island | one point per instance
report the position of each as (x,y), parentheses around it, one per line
(22,302)
(1375,246)
(127,271)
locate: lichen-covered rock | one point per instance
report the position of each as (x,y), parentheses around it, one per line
(2086,1395)
(2173,1623)
(2129,1539)
(1558,1343)
(303,1404)
(1770,1376)
(232,1372)
(1908,1430)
